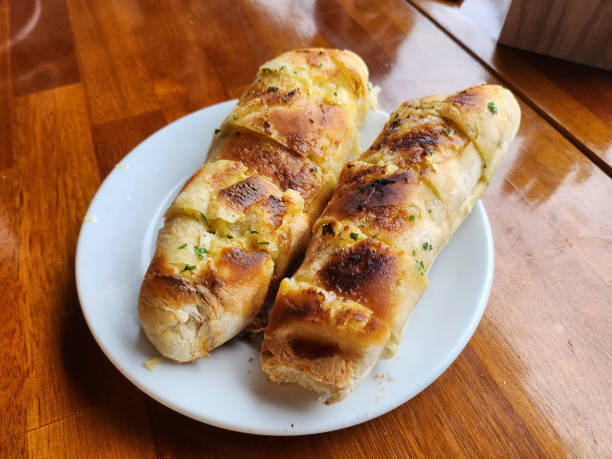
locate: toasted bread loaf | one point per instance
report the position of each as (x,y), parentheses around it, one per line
(394,209)
(246,214)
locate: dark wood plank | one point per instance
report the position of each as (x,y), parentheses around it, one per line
(42,49)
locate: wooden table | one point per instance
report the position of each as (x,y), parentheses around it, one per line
(83,81)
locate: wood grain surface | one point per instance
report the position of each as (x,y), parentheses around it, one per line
(83,81)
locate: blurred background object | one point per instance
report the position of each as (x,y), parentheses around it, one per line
(577,31)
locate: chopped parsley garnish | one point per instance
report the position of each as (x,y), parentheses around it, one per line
(336,93)
(314,169)
(217,130)
(188,268)
(354,236)
(235,116)
(229,236)
(203,217)
(427,246)
(421,267)
(200,251)
(182,246)
(254,232)
(485,165)
(448,132)
(369,86)
(376,235)
(429,152)
(412,218)
(492,107)
(263,243)
(413,252)
(269,70)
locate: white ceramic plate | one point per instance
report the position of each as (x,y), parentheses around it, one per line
(228,389)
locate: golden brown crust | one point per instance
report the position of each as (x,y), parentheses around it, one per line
(313,307)
(394,209)
(243,194)
(319,340)
(240,220)
(372,197)
(307,101)
(286,168)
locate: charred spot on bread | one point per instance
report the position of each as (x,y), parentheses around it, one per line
(177,290)
(305,305)
(360,176)
(238,267)
(159,266)
(287,169)
(245,193)
(241,261)
(361,272)
(327,229)
(218,177)
(275,210)
(424,139)
(312,349)
(413,144)
(280,97)
(271,95)
(470,98)
(375,196)
(302,135)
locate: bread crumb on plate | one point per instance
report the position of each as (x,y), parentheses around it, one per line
(153,363)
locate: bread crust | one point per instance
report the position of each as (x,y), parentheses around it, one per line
(394,209)
(241,219)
